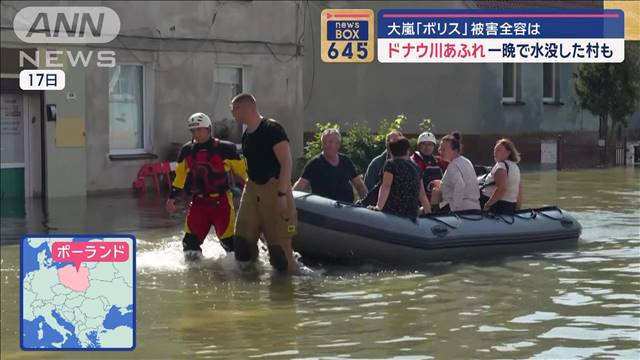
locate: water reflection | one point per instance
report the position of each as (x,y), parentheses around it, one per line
(570,304)
(120,213)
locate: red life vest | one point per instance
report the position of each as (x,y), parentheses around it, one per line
(424,162)
(206,168)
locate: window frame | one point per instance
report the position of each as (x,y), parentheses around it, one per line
(230,66)
(554,98)
(243,73)
(517,85)
(146,139)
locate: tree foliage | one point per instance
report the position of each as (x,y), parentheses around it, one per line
(610,91)
(360,142)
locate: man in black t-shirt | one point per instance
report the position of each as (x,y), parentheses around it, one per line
(330,173)
(267,205)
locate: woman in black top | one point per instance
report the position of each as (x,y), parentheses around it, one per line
(401,184)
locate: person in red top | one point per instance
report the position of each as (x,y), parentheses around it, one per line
(205,165)
(424,156)
(431,166)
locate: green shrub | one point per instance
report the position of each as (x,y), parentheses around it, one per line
(359,142)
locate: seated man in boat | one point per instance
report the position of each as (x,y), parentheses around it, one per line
(373,175)
(458,189)
(331,174)
(401,184)
(501,192)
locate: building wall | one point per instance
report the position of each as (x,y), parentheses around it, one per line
(173,96)
(446,93)
(463,97)
(180,45)
(66,171)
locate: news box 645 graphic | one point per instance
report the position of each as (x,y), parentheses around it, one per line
(77,292)
(347,35)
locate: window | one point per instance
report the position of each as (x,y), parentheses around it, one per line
(126,110)
(550,83)
(510,83)
(228,82)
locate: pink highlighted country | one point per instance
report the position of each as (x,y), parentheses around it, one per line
(76,280)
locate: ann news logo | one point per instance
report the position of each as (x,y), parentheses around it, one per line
(347,35)
(66,24)
(63,25)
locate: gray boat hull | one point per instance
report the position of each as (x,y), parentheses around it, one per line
(337,232)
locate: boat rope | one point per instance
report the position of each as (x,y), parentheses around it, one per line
(532,215)
(339,204)
(513,219)
(435,218)
(541,212)
(481,217)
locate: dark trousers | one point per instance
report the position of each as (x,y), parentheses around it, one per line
(500,207)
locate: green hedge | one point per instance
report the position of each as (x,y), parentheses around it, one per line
(360,142)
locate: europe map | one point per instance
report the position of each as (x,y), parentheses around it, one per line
(78,305)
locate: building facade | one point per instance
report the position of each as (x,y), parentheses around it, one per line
(176,58)
(171,59)
(530,103)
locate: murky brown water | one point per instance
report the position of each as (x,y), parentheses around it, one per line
(583,303)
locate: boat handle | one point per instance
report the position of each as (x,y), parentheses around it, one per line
(566,222)
(439,230)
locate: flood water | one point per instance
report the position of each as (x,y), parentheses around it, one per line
(575,304)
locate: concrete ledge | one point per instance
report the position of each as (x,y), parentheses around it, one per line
(513,103)
(132,157)
(553,102)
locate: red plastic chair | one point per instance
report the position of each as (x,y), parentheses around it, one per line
(153,170)
(164,169)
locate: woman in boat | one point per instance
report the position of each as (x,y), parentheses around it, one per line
(502,192)
(401,184)
(458,189)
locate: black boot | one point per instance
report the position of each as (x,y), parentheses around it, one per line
(191,248)
(227,244)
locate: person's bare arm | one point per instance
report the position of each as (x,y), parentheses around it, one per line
(301,184)
(424,200)
(360,186)
(385,189)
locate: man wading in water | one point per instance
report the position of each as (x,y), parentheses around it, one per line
(267,205)
(203,170)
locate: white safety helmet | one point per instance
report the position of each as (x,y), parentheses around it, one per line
(198,120)
(427,136)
